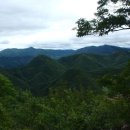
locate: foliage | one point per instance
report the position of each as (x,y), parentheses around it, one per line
(108,18)
(118,85)
(43,73)
(65,108)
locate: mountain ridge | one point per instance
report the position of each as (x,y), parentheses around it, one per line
(104,49)
(31,51)
(11,58)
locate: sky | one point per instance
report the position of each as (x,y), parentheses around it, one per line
(48,24)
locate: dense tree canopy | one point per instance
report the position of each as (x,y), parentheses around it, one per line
(68,109)
(111,15)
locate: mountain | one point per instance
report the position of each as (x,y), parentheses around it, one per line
(37,75)
(91,62)
(105,49)
(84,61)
(43,73)
(73,78)
(12,62)
(34,52)
(11,58)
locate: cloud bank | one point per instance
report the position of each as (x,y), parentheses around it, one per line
(48,24)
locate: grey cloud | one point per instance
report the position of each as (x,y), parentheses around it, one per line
(27,17)
(52,45)
(17,23)
(4,42)
(121,38)
(17,15)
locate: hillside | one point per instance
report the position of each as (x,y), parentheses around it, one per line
(86,62)
(37,74)
(43,73)
(67,107)
(91,62)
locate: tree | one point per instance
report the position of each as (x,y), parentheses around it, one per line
(112,15)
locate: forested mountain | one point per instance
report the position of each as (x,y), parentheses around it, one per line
(10,58)
(68,109)
(55,87)
(80,91)
(34,52)
(43,73)
(105,49)
(93,61)
(37,74)
(13,62)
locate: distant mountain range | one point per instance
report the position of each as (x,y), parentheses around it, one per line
(105,49)
(32,52)
(18,57)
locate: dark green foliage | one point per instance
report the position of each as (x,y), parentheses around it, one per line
(106,21)
(66,108)
(40,72)
(73,100)
(96,64)
(81,61)
(37,75)
(74,79)
(6,88)
(118,84)
(7,97)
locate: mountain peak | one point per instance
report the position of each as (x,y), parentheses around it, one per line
(104,49)
(30,48)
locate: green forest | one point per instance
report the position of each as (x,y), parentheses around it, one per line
(67,107)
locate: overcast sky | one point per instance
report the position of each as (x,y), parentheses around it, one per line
(48,24)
